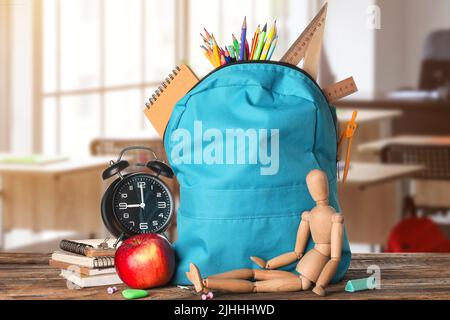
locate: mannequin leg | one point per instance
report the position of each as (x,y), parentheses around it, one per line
(230,285)
(195,277)
(230,281)
(257,274)
(272,274)
(325,277)
(272,281)
(289,284)
(243,274)
(269,281)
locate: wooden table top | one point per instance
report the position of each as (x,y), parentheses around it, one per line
(364,174)
(383,100)
(59,167)
(413,140)
(403,276)
(366,116)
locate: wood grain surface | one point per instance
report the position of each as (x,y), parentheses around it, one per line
(403,276)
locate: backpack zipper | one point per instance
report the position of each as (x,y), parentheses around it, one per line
(280,63)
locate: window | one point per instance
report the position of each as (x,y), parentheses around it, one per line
(101,59)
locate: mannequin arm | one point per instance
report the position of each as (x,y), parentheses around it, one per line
(300,245)
(337,231)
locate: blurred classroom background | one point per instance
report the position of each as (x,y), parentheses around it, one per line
(74,77)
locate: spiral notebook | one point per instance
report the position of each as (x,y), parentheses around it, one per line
(82,270)
(160,105)
(82,261)
(89,248)
(94,281)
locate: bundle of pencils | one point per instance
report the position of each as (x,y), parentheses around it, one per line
(262,47)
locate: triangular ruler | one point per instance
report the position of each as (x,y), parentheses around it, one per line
(308,44)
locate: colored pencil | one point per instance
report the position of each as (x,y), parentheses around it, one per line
(243,39)
(236,46)
(247,50)
(262,46)
(206,49)
(222,60)
(272,48)
(208,36)
(204,38)
(259,47)
(210,59)
(222,56)
(254,42)
(227,55)
(208,55)
(232,54)
(268,42)
(215,50)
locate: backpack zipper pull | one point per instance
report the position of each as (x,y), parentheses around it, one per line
(348,133)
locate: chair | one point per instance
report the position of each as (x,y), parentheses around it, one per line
(435,70)
(436,159)
(112,147)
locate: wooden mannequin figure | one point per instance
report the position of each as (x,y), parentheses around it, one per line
(317,266)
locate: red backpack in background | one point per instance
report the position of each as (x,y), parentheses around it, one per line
(417,235)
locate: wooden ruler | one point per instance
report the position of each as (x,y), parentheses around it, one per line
(340,89)
(299,48)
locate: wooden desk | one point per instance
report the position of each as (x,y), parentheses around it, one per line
(372,125)
(403,276)
(58,196)
(426,117)
(428,193)
(418,140)
(371,200)
(368,116)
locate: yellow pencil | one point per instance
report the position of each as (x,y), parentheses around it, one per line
(208,55)
(216,51)
(269,40)
(206,49)
(210,59)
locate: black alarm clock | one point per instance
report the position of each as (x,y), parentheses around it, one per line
(137,202)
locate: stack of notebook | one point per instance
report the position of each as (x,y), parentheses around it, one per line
(86,263)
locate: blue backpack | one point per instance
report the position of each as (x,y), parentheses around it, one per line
(241,143)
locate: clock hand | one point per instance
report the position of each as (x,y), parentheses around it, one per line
(142,196)
(134,205)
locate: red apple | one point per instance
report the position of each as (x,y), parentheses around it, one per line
(145,261)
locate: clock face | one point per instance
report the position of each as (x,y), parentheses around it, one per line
(142,204)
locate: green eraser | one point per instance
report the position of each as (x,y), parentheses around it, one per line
(134,293)
(360,284)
